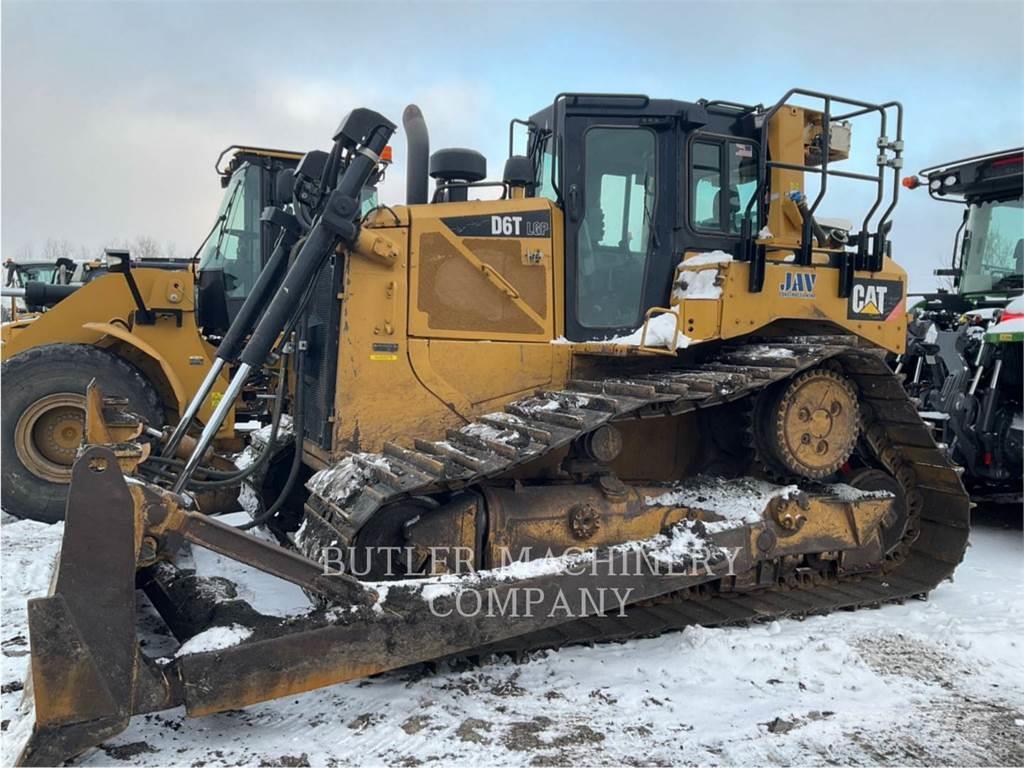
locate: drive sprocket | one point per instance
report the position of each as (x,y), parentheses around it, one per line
(809,426)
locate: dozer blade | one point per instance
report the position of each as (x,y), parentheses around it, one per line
(87,673)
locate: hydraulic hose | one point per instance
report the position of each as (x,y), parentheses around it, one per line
(801,203)
(230,479)
(298,422)
(222,479)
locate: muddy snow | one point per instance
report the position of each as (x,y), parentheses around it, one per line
(928,682)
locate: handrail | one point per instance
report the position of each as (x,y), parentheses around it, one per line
(755,253)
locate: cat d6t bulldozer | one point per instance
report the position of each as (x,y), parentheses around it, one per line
(649,369)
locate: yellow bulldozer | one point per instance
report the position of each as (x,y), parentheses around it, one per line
(145,330)
(649,369)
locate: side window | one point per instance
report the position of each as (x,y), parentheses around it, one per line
(235,248)
(723,179)
(706,175)
(615,232)
(544,185)
(742,181)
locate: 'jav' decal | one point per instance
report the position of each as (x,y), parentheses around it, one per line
(798,285)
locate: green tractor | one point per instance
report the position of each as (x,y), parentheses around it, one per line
(963,358)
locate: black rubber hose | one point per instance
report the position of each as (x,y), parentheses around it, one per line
(298,421)
(228,480)
(223,479)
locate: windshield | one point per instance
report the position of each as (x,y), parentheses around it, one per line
(993,250)
(43,273)
(235,246)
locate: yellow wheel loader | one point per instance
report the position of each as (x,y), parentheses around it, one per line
(144,331)
(644,389)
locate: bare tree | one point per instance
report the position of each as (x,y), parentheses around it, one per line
(145,247)
(57,249)
(171,249)
(944,282)
(24,253)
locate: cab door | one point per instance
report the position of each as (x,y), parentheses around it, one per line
(619,192)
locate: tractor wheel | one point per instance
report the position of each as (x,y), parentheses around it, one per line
(43,420)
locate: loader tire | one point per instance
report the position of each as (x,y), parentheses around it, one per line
(43,420)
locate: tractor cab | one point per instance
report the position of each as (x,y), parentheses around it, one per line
(988,250)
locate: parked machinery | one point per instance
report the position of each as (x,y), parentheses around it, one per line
(966,377)
(149,331)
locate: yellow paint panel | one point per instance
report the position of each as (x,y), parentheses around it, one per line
(744,312)
(481,286)
(483,372)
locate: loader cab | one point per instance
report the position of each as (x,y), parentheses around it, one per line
(239,245)
(640,181)
(59,272)
(993,247)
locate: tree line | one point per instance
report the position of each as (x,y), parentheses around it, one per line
(140,247)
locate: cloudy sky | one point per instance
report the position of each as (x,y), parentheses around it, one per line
(113,112)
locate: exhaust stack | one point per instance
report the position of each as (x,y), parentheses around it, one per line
(418,148)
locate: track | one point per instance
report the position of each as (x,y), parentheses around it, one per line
(938,508)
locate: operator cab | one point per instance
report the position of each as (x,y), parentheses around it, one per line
(238,247)
(644,181)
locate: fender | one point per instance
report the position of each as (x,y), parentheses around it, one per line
(130,338)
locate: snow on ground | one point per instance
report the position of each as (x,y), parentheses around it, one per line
(935,682)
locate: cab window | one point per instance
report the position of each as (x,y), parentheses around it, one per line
(615,232)
(545,186)
(723,179)
(235,248)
